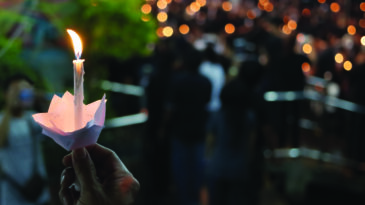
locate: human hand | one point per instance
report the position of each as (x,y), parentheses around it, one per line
(103,178)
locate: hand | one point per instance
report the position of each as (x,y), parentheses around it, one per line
(103,178)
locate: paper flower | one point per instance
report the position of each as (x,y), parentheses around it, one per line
(59,122)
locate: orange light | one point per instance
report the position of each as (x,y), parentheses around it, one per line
(339,58)
(162,16)
(351,29)
(251,14)
(260,6)
(201,2)
(362,23)
(76,42)
(285,29)
(307,48)
(145,18)
(194,7)
(159,32)
(184,29)
(362,40)
(362,6)
(229,28)
(227,6)
(146,8)
(168,1)
(189,11)
(321,1)
(168,31)
(347,65)
(161,4)
(335,7)
(306,12)
(269,7)
(292,24)
(306,67)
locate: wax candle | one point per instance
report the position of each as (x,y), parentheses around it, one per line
(78,79)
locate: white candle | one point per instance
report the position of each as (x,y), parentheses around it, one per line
(78,79)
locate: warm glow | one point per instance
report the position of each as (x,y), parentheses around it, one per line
(227,6)
(269,7)
(335,7)
(229,28)
(168,31)
(339,58)
(321,1)
(201,2)
(362,6)
(146,8)
(161,4)
(162,16)
(362,40)
(194,7)
(292,24)
(77,44)
(362,23)
(300,38)
(260,6)
(184,29)
(306,12)
(347,65)
(251,14)
(307,48)
(351,29)
(168,1)
(159,32)
(286,29)
(306,67)
(189,11)
(145,18)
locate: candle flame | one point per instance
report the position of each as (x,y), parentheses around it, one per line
(76,41)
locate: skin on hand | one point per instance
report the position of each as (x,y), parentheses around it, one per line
(103,178)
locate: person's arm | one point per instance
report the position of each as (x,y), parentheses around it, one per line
(103,178)
(4,129)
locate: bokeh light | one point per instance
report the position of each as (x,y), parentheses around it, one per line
(362,40)
(351,29)
(201,2)
(251,14)
(161,4)
(145,18)
(306,67)
(229,28)
(335,7)
(167,31)
(321,1)
(339,58)
(307,48)
(292,24)
(159,32)
(184,29)
(269,7)
(146,8)
(347,65)
(306,12)
(227,6)
(162,16)
(362,6)
(194,7)
(286,30)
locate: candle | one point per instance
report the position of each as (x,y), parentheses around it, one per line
(78,79)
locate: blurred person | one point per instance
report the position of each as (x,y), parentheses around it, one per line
(231,171)
(186,118)
(102,176)
(22,169)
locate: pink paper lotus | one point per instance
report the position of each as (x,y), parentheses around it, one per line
(59,122)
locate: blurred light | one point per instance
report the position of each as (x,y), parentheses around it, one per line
(321,1)
(294,153)
(328,75)
(362,40)
(260,6)
(286,19)
(339,58)
(286,29)
(362,6)
(306,12)
(162,16)
(168,31)
(351,29)
(269,7)
(347,65)
(145,18)
(227,6)
(335,7)
(126,120)
(362,23)
(195,7)
(201,2)
(307,48)
(161,4)
(229,28)
(263,2)
(306,67)
(271,96)
(251,14)
(159,32)
(300,38)
(292,24)
(184,29)
(146,8)
(290,96)
(189,11)
(168,1)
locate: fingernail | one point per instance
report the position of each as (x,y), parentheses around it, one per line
(80,153)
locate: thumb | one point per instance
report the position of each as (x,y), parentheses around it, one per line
(84,168)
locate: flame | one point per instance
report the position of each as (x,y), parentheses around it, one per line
(76,41)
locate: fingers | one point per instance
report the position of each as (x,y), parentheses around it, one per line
(65,193)
(84,169)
